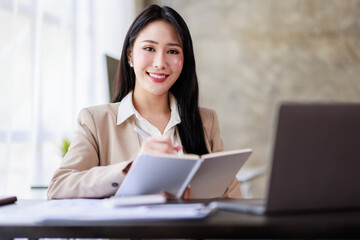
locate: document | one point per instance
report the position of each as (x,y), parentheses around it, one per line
(208,175)
(98,210)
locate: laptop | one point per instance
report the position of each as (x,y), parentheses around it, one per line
(315,163)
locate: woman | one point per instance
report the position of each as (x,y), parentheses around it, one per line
(155,111)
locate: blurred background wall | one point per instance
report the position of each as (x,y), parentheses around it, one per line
(253,54)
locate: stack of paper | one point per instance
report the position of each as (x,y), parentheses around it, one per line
(135,200)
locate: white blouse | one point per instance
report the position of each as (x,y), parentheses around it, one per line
(143,127)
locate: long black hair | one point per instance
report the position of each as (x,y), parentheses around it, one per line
(185,89)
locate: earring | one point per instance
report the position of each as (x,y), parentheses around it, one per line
(131,64)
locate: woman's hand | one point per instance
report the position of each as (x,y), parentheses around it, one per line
(187,193)
(159,145)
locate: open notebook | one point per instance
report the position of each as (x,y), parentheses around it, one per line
(209,175)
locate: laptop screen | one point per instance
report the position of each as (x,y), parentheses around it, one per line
(316,158)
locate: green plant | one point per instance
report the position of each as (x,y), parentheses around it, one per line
(64,146)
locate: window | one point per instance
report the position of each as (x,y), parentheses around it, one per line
(52,64)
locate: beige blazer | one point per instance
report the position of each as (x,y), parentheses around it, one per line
(101,150)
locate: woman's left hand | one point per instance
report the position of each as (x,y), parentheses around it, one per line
(187,193)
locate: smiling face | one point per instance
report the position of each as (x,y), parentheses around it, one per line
(157,58)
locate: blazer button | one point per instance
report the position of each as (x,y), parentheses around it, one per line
(114,184)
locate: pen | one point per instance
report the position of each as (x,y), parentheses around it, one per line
(7,200)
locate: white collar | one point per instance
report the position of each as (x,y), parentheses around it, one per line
(126,109)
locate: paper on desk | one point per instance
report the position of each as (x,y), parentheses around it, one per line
(96,210)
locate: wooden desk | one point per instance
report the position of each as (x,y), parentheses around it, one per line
(221,224)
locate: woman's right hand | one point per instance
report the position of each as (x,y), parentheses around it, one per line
(159,145)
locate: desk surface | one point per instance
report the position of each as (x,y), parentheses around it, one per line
(221,224)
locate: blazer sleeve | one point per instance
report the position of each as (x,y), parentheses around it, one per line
(216,145)
(80,174)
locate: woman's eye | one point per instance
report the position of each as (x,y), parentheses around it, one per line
(173,52)
(150,49)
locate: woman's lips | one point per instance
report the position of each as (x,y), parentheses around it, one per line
(157,77)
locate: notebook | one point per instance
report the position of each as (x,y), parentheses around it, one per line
(209,175)
(315,162)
